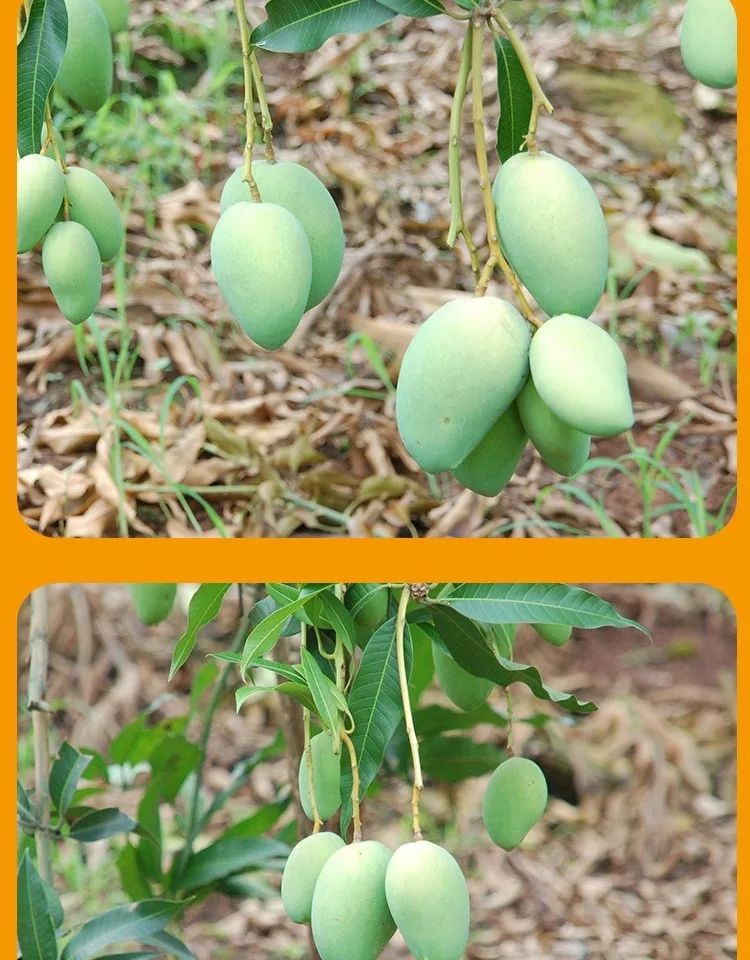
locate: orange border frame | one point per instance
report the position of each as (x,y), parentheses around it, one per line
(34,560)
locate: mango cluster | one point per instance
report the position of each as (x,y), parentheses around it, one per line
(275,259)
(708,42)
(85,74)
(74,216)
(474,385)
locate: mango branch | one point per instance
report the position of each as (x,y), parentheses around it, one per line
(266,120)
(411,735)
(317,822)
(249,99)
(357,832)
(36,704)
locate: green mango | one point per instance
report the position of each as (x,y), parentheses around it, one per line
(91,204)
(85,74)
(515,799)
(492,463)
(367,603)
(153,602)
(465,366)
(350,915)
(429,900)
(73,269)
(555,633)
(262,263)
(553,232)
(116,12)
(580,373)
(326,778)
(708,41)
(40,186)
(298,190)
(564,449)
(465,690)
(302,871)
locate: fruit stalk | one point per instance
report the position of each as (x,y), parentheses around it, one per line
(356,819)
(408,718)
(317,822)
(265,111)
(249,100)
(39,658)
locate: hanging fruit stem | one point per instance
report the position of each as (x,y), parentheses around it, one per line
(357,833)
(403,680)
(317,822)
(249,99)
(266,120)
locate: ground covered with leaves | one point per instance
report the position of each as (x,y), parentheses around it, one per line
(162,419)
(634,859)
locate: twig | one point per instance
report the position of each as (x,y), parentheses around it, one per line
(357,832)
(249,100)
(265,112)
(408,718)
(509,706)
(37,691)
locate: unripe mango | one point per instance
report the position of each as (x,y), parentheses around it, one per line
(464,367)
(553,232)
(262,263)
(580,373)
(116,12)
(302,871)
(563,448)
(514,801)
(492,463)
(40,186)
(708,41)
(298,190)
(73,269)
(463,688)
(85,74)
(91,204)
(153,602)
(326,778)
(555,633)
(429,900)
(350,915)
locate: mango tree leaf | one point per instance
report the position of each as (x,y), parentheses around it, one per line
(415,8)
(203,607)
(453,759)
(35,930)
(334,613)
(298,26)
(470,649)
(101,824)
(264,635)
(515,101)
(229,856)
(290,672)
(329,700)
(39,56)
(63,779)
(170,945)
(436,719)
(120,925)
(131,955)
(54,906)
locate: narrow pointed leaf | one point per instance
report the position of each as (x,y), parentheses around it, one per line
(35,930)
(170,945)
(38,60)
(334,613)
(415,8)
(120,925)
(101,824)
(328,699)
(64,776)
(228,856)
(297,26)
(263,637)
(204,605)
(515,101)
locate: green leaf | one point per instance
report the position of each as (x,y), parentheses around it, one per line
(100,824)
(120,925)
(204,605)
(26,817)
(260,822)
(469,648)
(131,955)
(298,26)
(170,945)
(423,668)
(298,692)
(64,776)
(415,8)
(263,637)
(453,759)
(328,699)
(515,101)
(436,719)
(35,930)
(334,613)
(55,908)
(231,855)
(172,760)
(132,878)
(38,59)
(376,708)
(535,603)
(292,672)
(503,636)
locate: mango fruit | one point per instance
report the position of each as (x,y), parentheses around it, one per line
(465,366)
(302,870)
(117,13)
(85,74)
(326,778)
(40,186)
(429,900)
(564,449)
(708,42)
(262,263)
(153,602)
(350,915)
(554,633)
(298,190)
(73,269)
(91,204)
(465,690)
(515,799)
(492,463)
(581,375)
(553,232)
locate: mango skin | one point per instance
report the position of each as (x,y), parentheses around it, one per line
(117,13)
(580,373)
(91,204)
(302,871)
(515,799)
(708,42)
(298,190)
(462,688)
(326,778)
(465,366)
(350,915)
(73,269)
(429,900)
(85,74)
(492,463)
(153,602)
(263,265)
(564,449)
(40,186)
(557,634)
(553,232)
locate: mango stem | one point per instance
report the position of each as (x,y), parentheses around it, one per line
(403,680)
(357,833)
(249,102)
(317,822)
(266,119)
